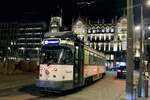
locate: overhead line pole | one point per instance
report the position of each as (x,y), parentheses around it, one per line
(141,92)
(130,64)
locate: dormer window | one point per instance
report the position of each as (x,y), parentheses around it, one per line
(107,30)
(89,31)
(112,30)
(83,31)
(94,31)
(103,30)
(98,30)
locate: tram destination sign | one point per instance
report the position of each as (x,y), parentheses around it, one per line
(51,42)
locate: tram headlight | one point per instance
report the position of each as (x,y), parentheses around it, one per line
(54,69)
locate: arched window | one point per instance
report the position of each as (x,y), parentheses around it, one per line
(103,30)
(112,30)
(98,31)
(107,30)
(93,31)
(89,31)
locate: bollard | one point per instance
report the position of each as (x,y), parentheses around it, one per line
(145,89)
(134,92)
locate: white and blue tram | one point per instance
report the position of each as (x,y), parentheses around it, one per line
(66,63)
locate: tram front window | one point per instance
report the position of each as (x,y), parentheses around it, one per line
(57,55)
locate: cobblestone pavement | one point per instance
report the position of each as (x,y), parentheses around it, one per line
(17,80)
(22,87)
(136,75)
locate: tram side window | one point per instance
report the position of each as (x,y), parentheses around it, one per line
(86,57)
(77,51)
(92,59)
(101,62)
(97,60)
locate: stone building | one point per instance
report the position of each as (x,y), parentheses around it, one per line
(109,38)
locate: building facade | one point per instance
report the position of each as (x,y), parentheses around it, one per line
(54,26)
(22,39)
(109,38)
(7,39)
(29,37)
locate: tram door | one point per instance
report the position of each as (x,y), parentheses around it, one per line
(78,65)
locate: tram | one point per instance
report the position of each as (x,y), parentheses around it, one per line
(67,63)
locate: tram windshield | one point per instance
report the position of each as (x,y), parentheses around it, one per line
(57,55)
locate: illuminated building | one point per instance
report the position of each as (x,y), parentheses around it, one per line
(29,37)
(55,24)
(109,38)
(80,28)
(7,38)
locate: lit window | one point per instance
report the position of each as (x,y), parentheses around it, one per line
(89,31)
(123,36)
(112,30)
(112,57)
(103,30)
(75,31)
(107,30)
(94,31)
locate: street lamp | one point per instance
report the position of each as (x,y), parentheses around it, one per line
(137,28)
(38,53)
(148,27)
(148,3)
(23,49)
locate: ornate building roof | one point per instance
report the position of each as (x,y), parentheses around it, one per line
(79,27)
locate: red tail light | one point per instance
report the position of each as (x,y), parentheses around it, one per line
(85,70)
(95,70)
(119,70)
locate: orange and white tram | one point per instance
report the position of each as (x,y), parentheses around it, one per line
(67,64)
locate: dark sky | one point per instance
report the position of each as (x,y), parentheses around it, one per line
(102,9)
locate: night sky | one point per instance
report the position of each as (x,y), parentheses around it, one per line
(41,10)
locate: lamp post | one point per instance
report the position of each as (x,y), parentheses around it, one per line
(23,49)
(38,53)
(130,64)
(141,77)
(130,67)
